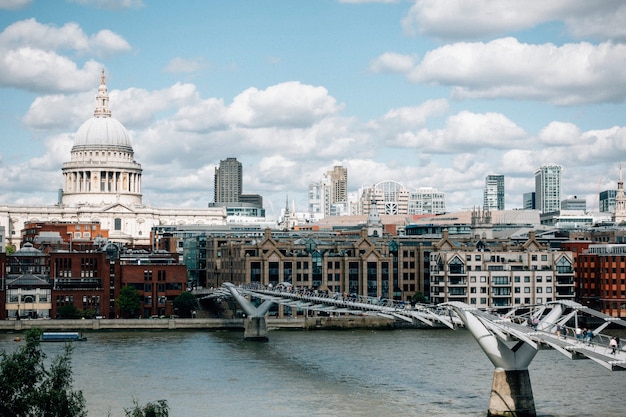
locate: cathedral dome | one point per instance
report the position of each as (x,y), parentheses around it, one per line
(102,131)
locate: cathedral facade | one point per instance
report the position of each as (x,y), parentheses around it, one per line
(102,183)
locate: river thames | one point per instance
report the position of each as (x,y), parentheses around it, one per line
(320,373)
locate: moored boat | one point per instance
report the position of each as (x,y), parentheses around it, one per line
(62,337)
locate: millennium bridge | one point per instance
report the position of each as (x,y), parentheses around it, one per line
(510,338)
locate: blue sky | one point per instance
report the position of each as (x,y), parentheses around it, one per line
(427,93)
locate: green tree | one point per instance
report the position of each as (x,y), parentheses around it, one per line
(157,409)
(185,303)
(28,389)
(68,311)
(418,297)
(129,302)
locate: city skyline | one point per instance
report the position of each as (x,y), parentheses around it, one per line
(428,94)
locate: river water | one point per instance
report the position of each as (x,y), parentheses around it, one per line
(320,373)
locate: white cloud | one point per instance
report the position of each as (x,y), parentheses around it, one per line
(137,107)
(465,131)
(560,133)
(393,62)
(59,111)
(285,104)
(31,56)
(463,19)
(505,68)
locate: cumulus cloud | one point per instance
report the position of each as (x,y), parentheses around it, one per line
(137,107)
(467,19)
(393,62)
(464,131)
(506,68)
(31,56)
(286,104)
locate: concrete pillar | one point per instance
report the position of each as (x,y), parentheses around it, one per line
(255,329)
(511,394)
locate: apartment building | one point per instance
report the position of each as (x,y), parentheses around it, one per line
(488,276)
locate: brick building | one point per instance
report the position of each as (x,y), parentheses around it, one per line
(601,277)
(38,284)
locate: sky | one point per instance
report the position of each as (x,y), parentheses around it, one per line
(427,93)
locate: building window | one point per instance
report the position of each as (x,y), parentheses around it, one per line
(117,224)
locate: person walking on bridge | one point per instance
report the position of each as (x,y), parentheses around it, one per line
(613,345)
(579,334)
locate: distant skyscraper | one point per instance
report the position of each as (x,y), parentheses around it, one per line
(607,201)
(315,197)
(334,191)
(494,192)
(529,201)
(228,179)
(548,188)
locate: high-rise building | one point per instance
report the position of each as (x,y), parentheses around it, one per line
(529,201)
(494,192)
(607,201)
(228,179)
(548,188)
(331,193)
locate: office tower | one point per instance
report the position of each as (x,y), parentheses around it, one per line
(494,192)
(315,197)
(334,192)
(548,188)
(529,201)
(228,179)
(607,201)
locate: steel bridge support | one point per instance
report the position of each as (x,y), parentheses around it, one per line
(511,390)
(255,325)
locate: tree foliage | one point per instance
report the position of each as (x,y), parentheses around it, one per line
(68,311)
(28,389)
(156,409)
(129,301)
(185,303)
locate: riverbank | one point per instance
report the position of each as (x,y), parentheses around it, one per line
(310,323)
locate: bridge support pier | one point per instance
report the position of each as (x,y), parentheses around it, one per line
(510,352)
(255,329)
(511,394)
